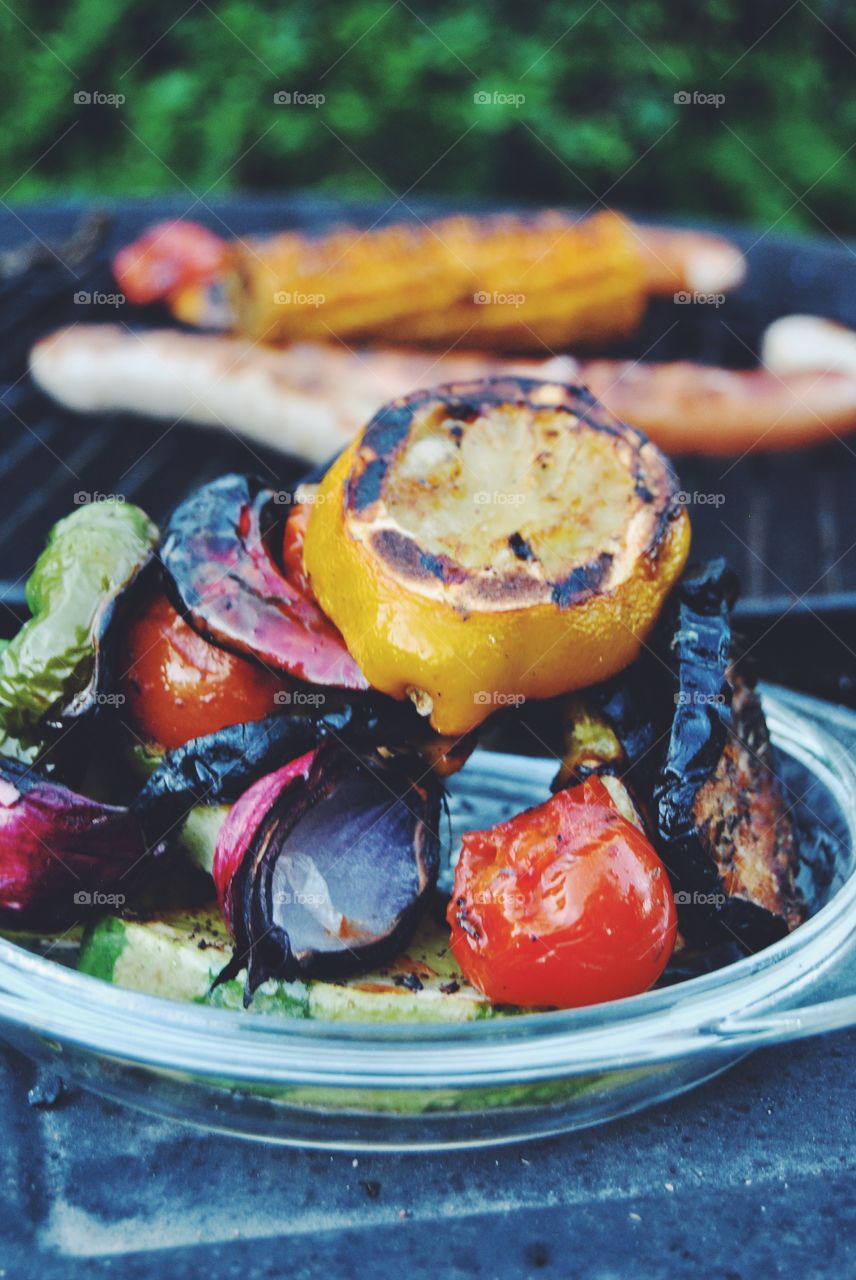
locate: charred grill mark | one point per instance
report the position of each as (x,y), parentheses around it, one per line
(433,565)
(409,980)
(655,482)
(461,412)
(520,547)
(385,433)
(516,587)
(406,556)
(389,427)
(365,489)
(582,581)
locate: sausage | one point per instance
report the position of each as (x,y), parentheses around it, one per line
(310,399)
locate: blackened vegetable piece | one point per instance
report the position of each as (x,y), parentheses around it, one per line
(220,552)
(218,768)
(618,727)
(323,867)
(723,826)
(685,729)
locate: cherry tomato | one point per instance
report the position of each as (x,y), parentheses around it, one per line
(566,904)
(292,549)
(168,257)
(178,686)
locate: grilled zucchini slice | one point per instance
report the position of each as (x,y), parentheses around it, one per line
(179,954)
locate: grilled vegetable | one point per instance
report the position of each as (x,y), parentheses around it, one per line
(504,281)
(566,904)
(723,826)
(179,955)
(61,854)
(217,769)
(574,279)
(491,541)
(177,686)
(293,542)
(619,728)
(54,669)
(169,257)
(220,552)
(686,730)
(323,867)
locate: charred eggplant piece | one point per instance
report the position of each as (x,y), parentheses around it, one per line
(60,853)
(218,768)
(221,553)
(723,826)
(323,868)
(685,729)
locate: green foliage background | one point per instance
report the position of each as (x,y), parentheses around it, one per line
(599,118)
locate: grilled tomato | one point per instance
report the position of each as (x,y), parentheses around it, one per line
(178,686)
(563,905)
(170,256)
(490,541)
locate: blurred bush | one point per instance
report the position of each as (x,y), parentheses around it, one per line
(598,115)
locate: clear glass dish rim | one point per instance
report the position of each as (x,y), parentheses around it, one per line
(48,1000)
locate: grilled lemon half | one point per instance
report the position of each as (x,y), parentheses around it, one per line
(492,541)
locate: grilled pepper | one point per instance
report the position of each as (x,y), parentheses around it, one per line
(50,670)
(493,541)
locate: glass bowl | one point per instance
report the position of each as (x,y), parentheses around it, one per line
(373,1086)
